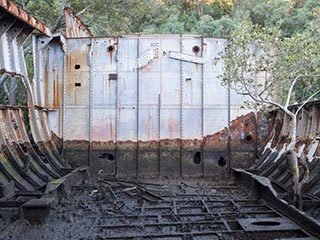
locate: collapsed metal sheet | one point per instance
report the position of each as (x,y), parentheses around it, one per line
(27,161)
(21,162)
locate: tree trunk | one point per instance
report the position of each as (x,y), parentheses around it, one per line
(292,158)
(293,131)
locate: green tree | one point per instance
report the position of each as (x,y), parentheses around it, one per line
(272,70)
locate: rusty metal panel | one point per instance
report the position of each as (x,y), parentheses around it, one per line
(13,35)
(75,28)
(104,89)
(49,61)
(159,90)
(24,16)
(77,89)
(77,124)
(53,61)
(169,123)
(215,96)
(127,97)
(148,123)
(191,88)
(103,125)
(127,89)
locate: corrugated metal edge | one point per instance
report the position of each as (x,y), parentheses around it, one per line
(24,16)
(73,23)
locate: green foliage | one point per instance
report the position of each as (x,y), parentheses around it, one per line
(212,18)
(260,63)
(45,11)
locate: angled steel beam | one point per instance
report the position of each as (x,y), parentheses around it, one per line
(22,15)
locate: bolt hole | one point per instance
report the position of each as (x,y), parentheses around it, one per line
(108,156)
(266,223)
(222,162)
(110,49)
(197,158)
(196,49)
(248,138)
(77,66)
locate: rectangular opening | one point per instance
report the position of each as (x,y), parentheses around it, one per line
(77,84)
(113,76)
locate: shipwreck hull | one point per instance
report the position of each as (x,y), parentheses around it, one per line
(140,127)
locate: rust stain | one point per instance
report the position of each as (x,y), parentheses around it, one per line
(14,125)
(75,98)
(109,89)
(149,126)
(243,131)
(110,57)
(111,129)
(46,80)
(24,16)
(172,126)
(74,26)
(55,94)
(277,130)
(146,68)
(55,87)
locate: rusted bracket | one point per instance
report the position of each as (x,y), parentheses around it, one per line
(186,57)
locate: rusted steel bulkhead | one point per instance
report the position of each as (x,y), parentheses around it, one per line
(147,106)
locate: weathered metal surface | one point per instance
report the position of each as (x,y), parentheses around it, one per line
(13,34)
(27,161)
(35,211)
(272,163)
(150,121)
(143,107)
(262,188)
(186,57)
(75,28)
(267,224)
(190,209)
(22,15)
(20,161)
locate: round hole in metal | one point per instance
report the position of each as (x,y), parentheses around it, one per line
(222,162)
(110,48)
(197,158)
(266,223)
(108,156)
(248,138)
(196,49)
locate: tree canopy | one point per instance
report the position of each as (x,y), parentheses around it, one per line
(211,18)
(275,70)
